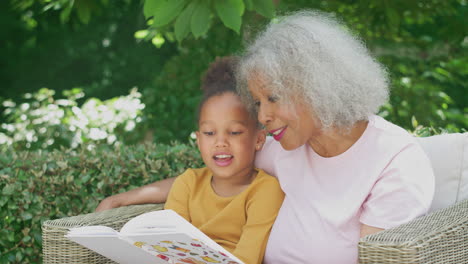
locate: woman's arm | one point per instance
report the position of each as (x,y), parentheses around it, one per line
(155,192)
(403,192)
(368,230)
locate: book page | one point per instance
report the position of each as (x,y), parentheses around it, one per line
(155,237)
(92,230)
(171,224)
(180,248)
(117,249)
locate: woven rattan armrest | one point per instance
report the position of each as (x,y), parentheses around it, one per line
(58,249)
(440,237)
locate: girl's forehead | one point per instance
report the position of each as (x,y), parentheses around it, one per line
(228,99)
(227,104)
(226,109)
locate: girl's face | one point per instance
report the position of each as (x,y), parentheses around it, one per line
(293,125)
(228,137)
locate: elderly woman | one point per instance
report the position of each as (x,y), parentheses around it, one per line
(346,172)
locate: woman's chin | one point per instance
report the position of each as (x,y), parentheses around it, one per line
(289,145)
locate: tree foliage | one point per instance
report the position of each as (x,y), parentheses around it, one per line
(44,122)
(107,47)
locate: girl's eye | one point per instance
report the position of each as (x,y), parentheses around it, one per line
(208,133)
(235,133)
(257,103)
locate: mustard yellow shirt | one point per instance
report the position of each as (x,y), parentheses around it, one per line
(241,223)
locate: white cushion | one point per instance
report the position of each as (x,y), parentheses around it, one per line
(449,158)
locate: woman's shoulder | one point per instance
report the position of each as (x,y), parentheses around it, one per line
(266,182)
(400,147)
(387,128)
(389,134)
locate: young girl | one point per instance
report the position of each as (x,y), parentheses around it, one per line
(229,200)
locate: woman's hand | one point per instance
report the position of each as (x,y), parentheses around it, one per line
(108,203)
(368,230)
(155,192)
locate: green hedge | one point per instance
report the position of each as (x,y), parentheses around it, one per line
(42,185)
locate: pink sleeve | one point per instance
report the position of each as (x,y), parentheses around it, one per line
(403,192)
(264,159)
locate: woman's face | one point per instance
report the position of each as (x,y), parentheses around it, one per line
(292,124)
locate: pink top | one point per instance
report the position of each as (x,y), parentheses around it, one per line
(384,180)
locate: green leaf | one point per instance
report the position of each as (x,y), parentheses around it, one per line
(182,24)
(200,21)
(22,176)
(265,8)
(249,5)
(85,178)
(84,12)
(65,14)
(3,200)
(230,12)
(11,237)
(26,216)
(163,11)
(8,190)
(150,6)
(393,17)
(414,122)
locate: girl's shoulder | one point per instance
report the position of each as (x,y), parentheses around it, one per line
(195,174)
(263,176)
(265,184)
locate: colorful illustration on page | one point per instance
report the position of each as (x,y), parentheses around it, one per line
(186,251)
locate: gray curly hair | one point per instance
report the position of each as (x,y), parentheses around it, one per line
(309,55)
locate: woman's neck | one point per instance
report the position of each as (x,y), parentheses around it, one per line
(334,142)
(227,187)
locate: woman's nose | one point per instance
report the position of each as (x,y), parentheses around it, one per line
(264,115)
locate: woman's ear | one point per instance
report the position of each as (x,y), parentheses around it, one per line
(261,137)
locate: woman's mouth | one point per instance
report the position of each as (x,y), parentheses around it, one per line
(223,160)
(278,133)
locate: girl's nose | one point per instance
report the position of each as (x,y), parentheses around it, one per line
(221,141)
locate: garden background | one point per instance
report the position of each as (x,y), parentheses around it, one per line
(98,96)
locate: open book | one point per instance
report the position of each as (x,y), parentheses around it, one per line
(155,237)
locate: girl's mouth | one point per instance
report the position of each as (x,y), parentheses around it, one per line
(223,160)
(278,133)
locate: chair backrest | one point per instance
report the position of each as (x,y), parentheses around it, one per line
(449,158)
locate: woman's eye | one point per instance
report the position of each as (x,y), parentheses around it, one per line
(273,98)
(257,103)
(208,133)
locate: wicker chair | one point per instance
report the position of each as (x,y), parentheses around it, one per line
(439,237)
(58,249)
